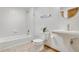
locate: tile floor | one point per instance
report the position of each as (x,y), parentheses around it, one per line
(28,47)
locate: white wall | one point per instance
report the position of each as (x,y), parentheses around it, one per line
(31,21)
(18,20)
(13,21)
(55,22)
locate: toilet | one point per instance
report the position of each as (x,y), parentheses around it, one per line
(38,45)
(39,41)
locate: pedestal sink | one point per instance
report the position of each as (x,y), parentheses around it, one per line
(67,38)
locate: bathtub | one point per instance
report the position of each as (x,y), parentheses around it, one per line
(12,41)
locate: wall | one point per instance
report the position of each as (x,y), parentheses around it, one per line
(13,21)
(31,21)
(17,20)
(55,22)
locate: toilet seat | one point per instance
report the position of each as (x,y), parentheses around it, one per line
(38,40)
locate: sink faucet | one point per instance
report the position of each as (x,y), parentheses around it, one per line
(68,27)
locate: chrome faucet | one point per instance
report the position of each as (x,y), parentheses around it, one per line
(68,27)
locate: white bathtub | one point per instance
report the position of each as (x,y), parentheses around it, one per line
(11,41)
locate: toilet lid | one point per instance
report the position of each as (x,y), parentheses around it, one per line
(38,40)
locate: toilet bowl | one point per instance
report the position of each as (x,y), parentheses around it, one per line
(38,44)
(38,41)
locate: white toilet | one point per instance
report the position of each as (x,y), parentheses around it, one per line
(39,41)
(38,44)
